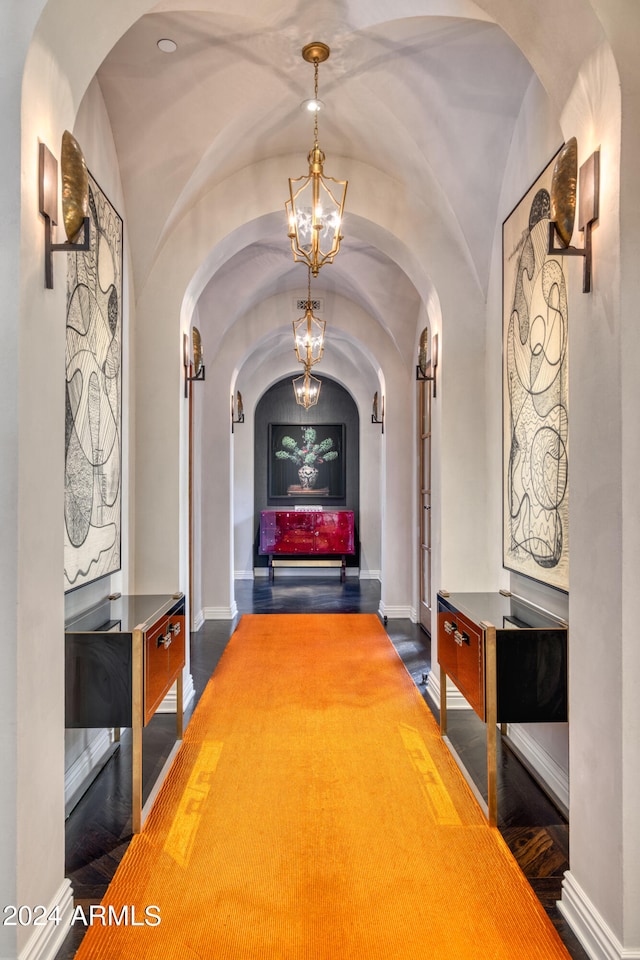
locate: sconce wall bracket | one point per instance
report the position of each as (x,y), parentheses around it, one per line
(422,375)
(588,214)
(189,379)
(197,363)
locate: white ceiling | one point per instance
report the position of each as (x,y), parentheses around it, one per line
(430,101)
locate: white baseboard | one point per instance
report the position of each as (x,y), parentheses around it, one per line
(455,700)
(198,620)
(170,702)
(45,941)
(243,574)
(86,767)
(221,613)
(370,574)
(541,764)
(393,612)
(595,935)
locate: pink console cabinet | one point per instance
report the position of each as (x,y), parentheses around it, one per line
(317,535)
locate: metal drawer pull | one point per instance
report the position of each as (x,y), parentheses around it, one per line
(450,627)
(165,641)
(461,638)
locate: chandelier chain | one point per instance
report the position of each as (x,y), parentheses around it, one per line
(315,96)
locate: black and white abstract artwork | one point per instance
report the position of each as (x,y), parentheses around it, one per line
(93,433)
(535,395)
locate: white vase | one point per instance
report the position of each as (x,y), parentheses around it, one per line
(307,475)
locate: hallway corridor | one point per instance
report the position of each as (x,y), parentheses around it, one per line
(98,830)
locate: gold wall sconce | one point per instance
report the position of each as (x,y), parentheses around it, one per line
(237,405)
(75,200)
(316,203)
(427,360)
(563,205)
(193,370)
(377,415)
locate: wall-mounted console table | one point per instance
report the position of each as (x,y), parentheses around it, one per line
(318,535)
(121,659)
(508,659)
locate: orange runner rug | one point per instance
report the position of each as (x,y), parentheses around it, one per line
(313,813)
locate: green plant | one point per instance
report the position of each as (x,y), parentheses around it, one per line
(309,452)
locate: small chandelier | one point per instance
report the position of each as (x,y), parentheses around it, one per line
(306,389)
(308,333)
(316,202)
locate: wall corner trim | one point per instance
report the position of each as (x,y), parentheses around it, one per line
(45,941)
(395,612)
(220,613)
(590,927)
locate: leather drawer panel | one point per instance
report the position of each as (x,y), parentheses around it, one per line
(156,668)
(461,655)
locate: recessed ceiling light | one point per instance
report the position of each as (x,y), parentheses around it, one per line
(313,105)
(167,46)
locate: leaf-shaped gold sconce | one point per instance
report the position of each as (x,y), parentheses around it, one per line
(564,183)
(75,201)
(423,351)
(427,357)
(197,352)
(75,186)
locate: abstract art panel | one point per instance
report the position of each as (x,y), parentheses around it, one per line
(93,433)
(535,395)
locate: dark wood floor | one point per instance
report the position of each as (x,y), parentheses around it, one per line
(98,830)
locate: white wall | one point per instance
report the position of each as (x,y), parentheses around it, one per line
(16,25)
(598,763)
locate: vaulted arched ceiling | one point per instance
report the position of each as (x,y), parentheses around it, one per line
(426,93)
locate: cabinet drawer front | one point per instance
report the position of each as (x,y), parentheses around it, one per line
(156,667)
(461,655)
(177,648)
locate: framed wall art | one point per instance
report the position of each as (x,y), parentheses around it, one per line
(306,460)
(535,395)
(93,433)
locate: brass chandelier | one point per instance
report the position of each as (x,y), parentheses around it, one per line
(306,389)
(316,203)
(308,334)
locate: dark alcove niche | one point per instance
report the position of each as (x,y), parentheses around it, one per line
(277,406)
